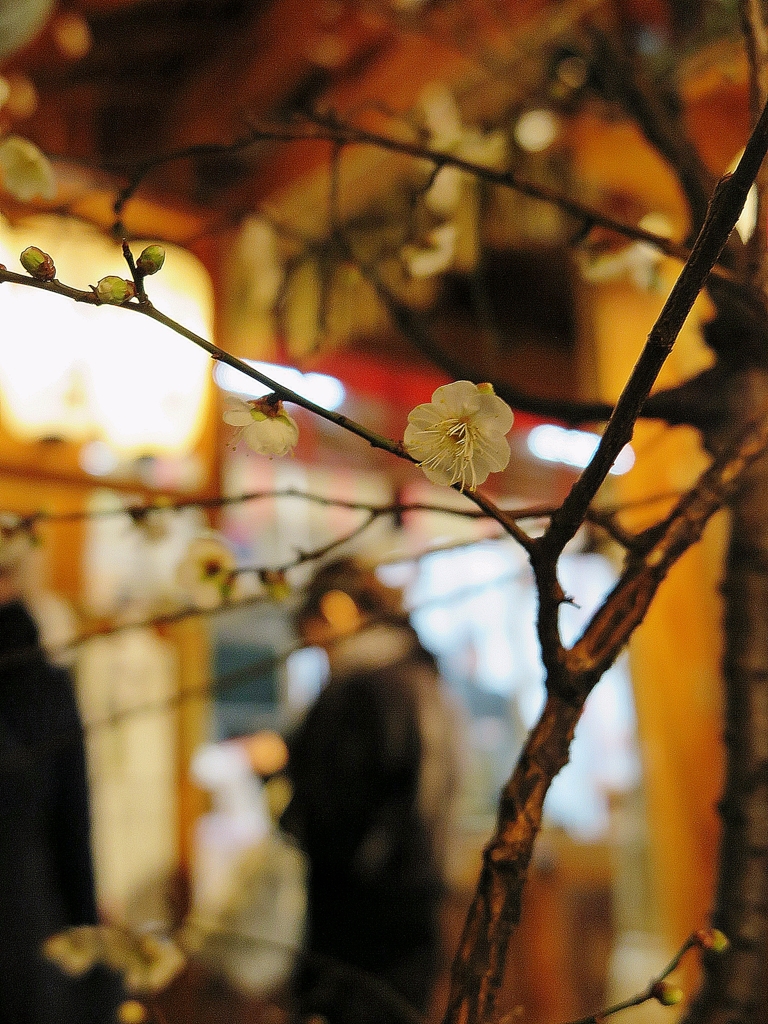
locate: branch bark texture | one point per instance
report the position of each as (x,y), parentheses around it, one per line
(736,987)
(572,674)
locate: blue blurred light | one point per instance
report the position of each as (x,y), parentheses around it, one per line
(319,388)
(573,448)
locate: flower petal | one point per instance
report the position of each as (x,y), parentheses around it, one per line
(276,436)
(423,417)
(26,171)
(439,475)
(237,417)
(491,456)
(421,443)
(461,398)
(494,414)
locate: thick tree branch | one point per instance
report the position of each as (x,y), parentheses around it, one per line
(756,46)
(495,910)
(657,550)
(727,203)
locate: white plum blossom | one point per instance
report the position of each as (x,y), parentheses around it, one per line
(26,172)
(75,950)
(148,963)
(436,252)
(207,571)
(264,424)
(436,257)
(460,436)
(639,261)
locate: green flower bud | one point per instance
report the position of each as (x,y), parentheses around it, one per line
(115,290)
(38,264)
(275,583)
(667,993)
(151,259)
(712,938)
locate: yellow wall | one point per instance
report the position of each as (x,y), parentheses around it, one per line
(675,653)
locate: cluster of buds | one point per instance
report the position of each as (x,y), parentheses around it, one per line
(110,289)
(669,994)
(38,264)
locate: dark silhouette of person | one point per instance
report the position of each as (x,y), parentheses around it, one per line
(46,874)
(374,771)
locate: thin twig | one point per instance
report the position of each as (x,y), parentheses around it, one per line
(692,942)
(724,211)
(136,274)
(314,128)
(326,128)
(223,683)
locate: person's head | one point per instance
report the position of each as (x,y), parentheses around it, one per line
(343,596)
(19,559)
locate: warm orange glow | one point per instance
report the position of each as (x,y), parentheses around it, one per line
(97,373)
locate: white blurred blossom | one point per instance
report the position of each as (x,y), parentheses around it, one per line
(258,266)
(434,258)
(147,963)
(459,437)
(207,571)
(26,171)
(264,425)
(639,262)
(447,133)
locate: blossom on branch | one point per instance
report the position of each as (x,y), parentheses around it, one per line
(26,172)
(207,571)
(459,437)
(264,424)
